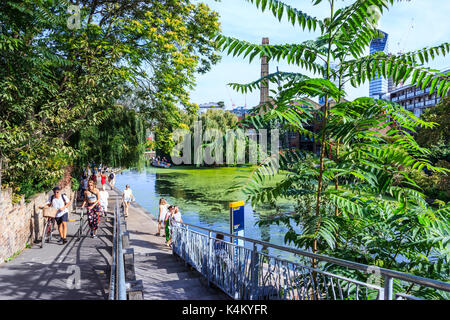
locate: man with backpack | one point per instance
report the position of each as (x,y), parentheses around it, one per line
(111,179)
(61,202)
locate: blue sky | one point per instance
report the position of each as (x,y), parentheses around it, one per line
(410,25)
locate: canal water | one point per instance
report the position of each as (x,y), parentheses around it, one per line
(203,198)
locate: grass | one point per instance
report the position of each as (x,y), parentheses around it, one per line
(9,259)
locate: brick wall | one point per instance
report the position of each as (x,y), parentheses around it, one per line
(21,223)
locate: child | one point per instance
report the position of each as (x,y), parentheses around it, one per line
(104,195)
(167,219)
(176,216)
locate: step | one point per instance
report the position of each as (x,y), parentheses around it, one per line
(178,289)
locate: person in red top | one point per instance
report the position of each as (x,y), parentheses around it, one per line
(103,181)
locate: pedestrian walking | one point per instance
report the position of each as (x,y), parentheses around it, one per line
(163,207)
(112,180)
(103,178)
(61,202)
(104,195)
(94,179)
(92,197)
(127,197)
(83,186)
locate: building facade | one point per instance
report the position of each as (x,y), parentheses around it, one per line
(209,106)
(415,99)
(240,112)
(378,87)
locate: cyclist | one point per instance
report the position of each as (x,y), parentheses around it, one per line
(60,202)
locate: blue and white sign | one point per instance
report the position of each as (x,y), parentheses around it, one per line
(237,225)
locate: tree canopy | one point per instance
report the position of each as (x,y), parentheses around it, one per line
(357,199)
(57,80)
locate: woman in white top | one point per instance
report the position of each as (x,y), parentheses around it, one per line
(163,207)
(104,195)
(173,215)
(177,215)
(127,197)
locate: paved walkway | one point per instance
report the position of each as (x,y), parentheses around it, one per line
(49,273)
(164,276)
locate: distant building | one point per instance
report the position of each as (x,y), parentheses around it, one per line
(378,87)
(264,89)
(415,99)
(240,112)
(209,106)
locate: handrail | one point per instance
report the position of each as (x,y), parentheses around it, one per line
(121,287)
(117,287)
(112,280)
(387,273)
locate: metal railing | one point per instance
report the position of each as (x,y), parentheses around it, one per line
(250,272)
(117,285)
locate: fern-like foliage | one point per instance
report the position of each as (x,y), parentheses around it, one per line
(356,199)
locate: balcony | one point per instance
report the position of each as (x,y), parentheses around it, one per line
(420,92)
(394,99)
(420,104)
(410,95)
(410,106)
(403,97)
(427,90)
(430,102)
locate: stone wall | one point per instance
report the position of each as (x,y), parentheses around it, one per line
(22,223)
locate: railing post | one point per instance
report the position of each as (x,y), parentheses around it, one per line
(186,251)
(388,286)
(209,258)
(254,273)
(112,282)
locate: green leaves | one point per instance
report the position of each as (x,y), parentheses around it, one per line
(299,54)
(294,16)
(400,68)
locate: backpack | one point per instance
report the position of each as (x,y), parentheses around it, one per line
(111,176)
(63,196)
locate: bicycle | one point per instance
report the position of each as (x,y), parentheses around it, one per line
(49,227)
(81,224)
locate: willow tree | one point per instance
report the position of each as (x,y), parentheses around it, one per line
(356,200)
(58,78)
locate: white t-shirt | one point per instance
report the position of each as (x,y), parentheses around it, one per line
(127,194)
(104,195)
(177,217)
(58,203)
(164,212)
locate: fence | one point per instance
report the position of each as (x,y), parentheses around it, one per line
(123,284)
(117,288)
(252,273)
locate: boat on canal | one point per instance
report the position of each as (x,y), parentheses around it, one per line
(160,164)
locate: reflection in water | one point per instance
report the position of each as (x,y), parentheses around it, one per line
(265,236)
(202,196)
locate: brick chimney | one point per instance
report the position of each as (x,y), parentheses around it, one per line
(264,93)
